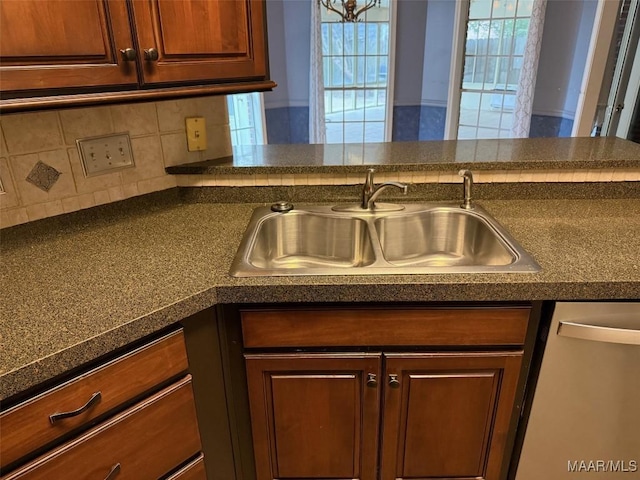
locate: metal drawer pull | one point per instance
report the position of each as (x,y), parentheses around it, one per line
(115,470)
(599,334)
(393,380)
(372,380)
(95,398)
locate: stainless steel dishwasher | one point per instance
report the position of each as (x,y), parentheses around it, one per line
(585,415)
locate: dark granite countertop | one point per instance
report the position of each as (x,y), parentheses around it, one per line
(505,154)
(78,286)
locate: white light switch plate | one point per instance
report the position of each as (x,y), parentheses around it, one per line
(105,154)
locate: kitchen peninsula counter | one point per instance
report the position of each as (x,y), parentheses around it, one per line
(78,286)
(436,156)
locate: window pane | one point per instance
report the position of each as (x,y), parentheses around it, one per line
(469,70)
(477,34)
(360,71)
(349,71)
(382,71)
(336,39)
(325,38)
(337,72)
(371,63)
(521,33)
(334,133)
(372,39)
(466,132)
(376,110)
(384,38)
(374,131)
(361,38)
(495,38)
(337,103)
(524,8)
(348,44)
(469,108)
(490,74)
(354,132)
(480,9)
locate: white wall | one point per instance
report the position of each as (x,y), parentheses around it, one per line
(437,52)
(410,49)
(288,26)
(565,43)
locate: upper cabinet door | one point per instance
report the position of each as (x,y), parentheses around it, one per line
(64,44)
(199,40)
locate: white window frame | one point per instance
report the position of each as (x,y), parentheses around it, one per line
(388,129)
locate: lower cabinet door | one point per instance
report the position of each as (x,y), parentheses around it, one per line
(144,442)
(315,416)
(447,415)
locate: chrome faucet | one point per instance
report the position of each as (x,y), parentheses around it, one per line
(467,179)
(370,191)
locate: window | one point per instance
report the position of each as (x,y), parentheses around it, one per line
(356,62)
(495,42)
(246,119)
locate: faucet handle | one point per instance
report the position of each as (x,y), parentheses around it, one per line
(467,179)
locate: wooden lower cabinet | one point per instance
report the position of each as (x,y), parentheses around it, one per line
(315,415)
(443,415)
(447,415)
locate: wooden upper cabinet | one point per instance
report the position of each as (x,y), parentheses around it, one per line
(200,40)
(67,53)
(70,43)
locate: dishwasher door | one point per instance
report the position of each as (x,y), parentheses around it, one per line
(585,415)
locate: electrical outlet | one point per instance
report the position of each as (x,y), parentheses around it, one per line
(105,154)
(196,134)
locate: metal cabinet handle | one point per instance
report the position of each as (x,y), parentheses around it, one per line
(599,334)
(372,380)
(115,470)
(393,380)
(151,54)
(95,398)
(128,54)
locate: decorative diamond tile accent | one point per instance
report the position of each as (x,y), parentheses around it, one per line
(43,176)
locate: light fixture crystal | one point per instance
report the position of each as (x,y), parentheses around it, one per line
(350,10)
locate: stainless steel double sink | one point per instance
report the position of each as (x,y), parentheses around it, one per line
(409,239)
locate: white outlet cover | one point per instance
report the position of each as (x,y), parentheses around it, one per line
(105,154)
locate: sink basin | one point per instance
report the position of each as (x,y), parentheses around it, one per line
(442,238)
(419,239)
(308,240)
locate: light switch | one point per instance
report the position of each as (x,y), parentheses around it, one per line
(105,154)
(196,134)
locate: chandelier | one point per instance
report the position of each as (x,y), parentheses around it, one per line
(350,7)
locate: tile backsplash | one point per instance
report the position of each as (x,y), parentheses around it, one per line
(42,142)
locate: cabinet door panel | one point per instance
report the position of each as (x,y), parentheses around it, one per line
(67,43)
(449,415)
(313,416)
(201,39)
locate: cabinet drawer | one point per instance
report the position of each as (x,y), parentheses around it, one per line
(144,442)
(28,426)
(326,327)
(192,471)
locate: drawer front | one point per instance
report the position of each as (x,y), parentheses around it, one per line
(192,471)
(28,427)
(144,442)
(326,327)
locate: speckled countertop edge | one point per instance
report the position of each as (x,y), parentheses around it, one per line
(506,154)
(172,260)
